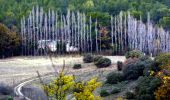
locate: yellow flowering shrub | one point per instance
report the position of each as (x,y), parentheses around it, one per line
(163,92)
(65,84)
(60,87)
(84,91)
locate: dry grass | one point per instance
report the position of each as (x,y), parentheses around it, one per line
(14,70)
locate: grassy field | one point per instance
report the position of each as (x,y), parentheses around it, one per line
(18,69)
(14,70)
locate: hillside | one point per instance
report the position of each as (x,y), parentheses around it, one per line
(12,11)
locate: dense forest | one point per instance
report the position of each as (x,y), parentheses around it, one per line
(12,11)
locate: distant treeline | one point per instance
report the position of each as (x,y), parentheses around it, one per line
(12,11)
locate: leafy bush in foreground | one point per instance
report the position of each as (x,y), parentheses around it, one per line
(103,62)
(134,70)
(150,65)
(146,87)
(85,90)
(88,58)
(113,78)
(66,84)
(60,87)
(149,68)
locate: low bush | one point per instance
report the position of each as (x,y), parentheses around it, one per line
(77,66)
(115,90)
(134,54)
(150,67)
(130,95)
(96,58)
(119,65)
(103,62)
(134,70)
(88,58)
(5,90)
(113,78)
(163,60)
(146,87)
(131,60)
(104,93)
(138,67)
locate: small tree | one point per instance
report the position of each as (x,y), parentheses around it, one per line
(9,41)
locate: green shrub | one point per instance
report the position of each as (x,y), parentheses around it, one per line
(77,66)
(133,70)
(131,60)
(113,78)
(96,58)
(163,60)
(145,58)
(119,65)
(146,87)
(104,93)
(150,66)
(134,54)
(130,95)
(115,90)
(103,62)
(88,58)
